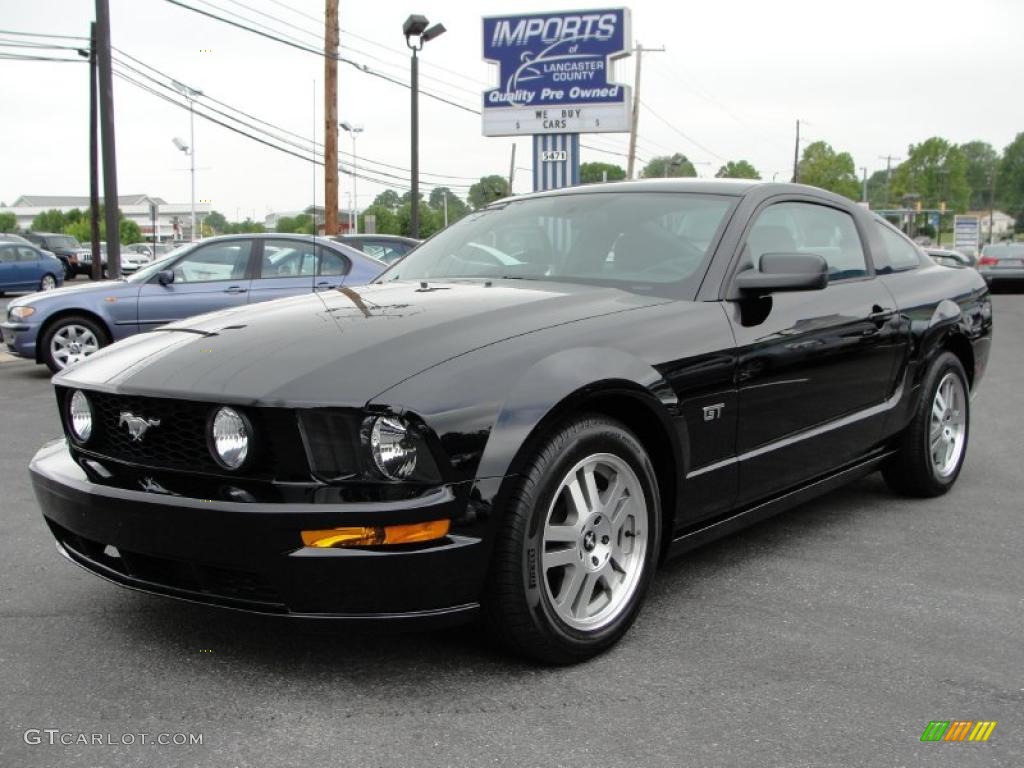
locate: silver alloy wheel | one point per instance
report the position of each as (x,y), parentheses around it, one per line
(594,547)
(948,431)
(72,343)
(48,283)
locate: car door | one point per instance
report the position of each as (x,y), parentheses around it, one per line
(331,269)
(10,269)
(30,266)
(209,277)
(814,367)
(287,267)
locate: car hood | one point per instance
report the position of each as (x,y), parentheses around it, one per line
(340,347)
(105,287)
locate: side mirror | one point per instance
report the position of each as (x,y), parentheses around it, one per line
(165,276)
(784,272)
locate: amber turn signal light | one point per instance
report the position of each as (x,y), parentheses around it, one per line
(376,535)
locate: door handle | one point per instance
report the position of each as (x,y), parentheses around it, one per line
(323,286)
(235,289)
(881,316)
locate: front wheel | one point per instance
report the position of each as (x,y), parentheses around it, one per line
(934,445)
(48,283)
(578,545)
(70,340)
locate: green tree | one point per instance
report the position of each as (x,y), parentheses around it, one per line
(302,224)
(740,169)
(821,166)
(982,161)
(129,231)
(75,214)
(388,199)
(49,221)
(669,166)
(8,222)
(243,227)
(877,189)
(457,207)
(216,221)
(80,230)
(1010,180)
(487,190)
(385,220)
(430,220)
(592,173)
(936,170)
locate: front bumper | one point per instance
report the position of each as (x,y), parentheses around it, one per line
(20,338)
(248,555)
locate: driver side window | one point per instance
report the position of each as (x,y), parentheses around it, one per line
(809,228)
(218,261)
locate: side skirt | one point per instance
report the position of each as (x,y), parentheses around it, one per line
(709,531)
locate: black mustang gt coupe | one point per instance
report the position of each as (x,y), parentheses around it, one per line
(523,417)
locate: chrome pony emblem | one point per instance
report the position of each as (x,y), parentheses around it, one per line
(137,426)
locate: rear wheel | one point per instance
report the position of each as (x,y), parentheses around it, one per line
(70,340)
(934,445)
(578,546)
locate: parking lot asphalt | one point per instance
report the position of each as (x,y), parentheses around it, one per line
(828,636)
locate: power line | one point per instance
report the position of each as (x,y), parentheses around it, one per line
(688,138)
(26,57)
(40,34)
(302,47)
(307,144)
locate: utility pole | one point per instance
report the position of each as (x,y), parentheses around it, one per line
(991,206)
(331,118)
(512,168)
(106,102)
(635,121)
(446,209)
(888,176)
(864,190)
(94,162)
(796,155)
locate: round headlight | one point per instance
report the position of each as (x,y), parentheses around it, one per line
(394,452)
(230,433)
(80,413)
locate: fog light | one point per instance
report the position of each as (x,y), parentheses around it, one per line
(376,535)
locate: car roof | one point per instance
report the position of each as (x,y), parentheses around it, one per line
(375,236)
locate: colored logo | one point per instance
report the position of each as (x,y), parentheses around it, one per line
(556,59)
(958,730)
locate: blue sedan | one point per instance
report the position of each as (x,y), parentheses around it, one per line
(62,327)
(23,267)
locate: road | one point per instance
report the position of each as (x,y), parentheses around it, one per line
(828,636)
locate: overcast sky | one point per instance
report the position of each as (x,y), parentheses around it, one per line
(870,77)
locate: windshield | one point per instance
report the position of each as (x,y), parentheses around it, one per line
(629,238)
(63,242)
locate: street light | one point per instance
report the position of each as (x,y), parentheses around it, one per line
(190,148)
(416,26)
(354,131)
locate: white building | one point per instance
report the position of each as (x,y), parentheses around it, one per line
(1002,224)
(173,220)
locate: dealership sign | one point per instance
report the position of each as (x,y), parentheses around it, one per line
(966,233)
(555,73)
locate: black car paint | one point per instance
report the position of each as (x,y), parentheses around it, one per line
(747,405)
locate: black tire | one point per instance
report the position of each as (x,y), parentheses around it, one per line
(69,273)
(911,471)
(96,328)
(518,611)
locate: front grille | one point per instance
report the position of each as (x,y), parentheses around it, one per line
(179,441)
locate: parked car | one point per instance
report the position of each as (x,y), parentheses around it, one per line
(386,248)
(950,258)
(64,247)
(1002,264)
(23,267)
(66,326)
(524,437)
